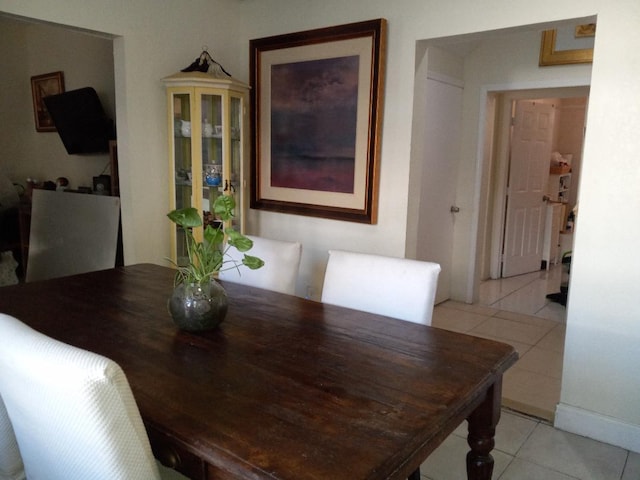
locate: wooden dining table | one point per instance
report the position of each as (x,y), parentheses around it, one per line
(285,387)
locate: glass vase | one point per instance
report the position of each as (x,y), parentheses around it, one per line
(197,307)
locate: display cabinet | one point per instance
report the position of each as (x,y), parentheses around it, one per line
(208,147)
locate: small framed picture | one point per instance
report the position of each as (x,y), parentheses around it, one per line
(43,86)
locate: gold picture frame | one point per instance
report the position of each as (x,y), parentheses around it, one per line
(43,86)
(316,101)
(549,56)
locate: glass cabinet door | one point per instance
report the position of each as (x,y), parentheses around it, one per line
(212,155)
(183,164)
(235,187)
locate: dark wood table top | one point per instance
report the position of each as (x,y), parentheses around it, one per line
(286,388)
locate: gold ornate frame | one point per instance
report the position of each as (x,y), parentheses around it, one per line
(43,86)
(550,56)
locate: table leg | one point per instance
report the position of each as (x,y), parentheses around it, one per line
(482,428)
(415,475)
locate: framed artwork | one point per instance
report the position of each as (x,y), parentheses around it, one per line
(43,86)
(567,45)
(316,102)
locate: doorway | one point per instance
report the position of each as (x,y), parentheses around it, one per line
(486,65)
(531,135)
(570,107)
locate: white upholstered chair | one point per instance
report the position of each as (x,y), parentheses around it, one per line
(71,233)
(72,411)
(396,287)
(280,270)
(11,467)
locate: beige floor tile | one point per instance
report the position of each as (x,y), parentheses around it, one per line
(456,320)
(524,470)
(632,467)
(542,361)
(521,348)
(511,330)
(492,291)
(512,431)
(522,303)
(473,308)
(554,340)
(448,462)
(531,392)
(528,319)
(573,455)
(553,311)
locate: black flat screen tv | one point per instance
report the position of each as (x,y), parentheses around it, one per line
(82,124)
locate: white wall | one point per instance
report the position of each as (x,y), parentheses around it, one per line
(600,383)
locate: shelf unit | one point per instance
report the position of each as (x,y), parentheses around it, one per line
(559,186)
(208,148)
(552,228)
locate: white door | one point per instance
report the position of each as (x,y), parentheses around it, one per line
(440,141)
(528,177)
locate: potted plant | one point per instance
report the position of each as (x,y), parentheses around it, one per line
(198,301)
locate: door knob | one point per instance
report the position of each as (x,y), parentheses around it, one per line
(454,209)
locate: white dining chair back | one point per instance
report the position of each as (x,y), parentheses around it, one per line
(395,287)
(72,411)
(71,233)
(280,270)
(11,467)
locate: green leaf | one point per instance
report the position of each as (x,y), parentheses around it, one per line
(207,257)
(238,240)
(213,236)
(252,262)
(223,207)
(185,217)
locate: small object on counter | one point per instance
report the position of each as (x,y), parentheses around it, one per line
(570,221)
(62,183)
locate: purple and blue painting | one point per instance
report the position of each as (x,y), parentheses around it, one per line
(313,124)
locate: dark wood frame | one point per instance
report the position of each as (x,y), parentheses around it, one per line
(362,205)
(43,86)
(550,56)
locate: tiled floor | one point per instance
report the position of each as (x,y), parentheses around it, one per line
(530,449)
(516,311)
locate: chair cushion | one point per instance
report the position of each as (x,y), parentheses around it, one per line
(396,287)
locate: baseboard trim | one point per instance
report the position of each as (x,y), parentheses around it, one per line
(598,427)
